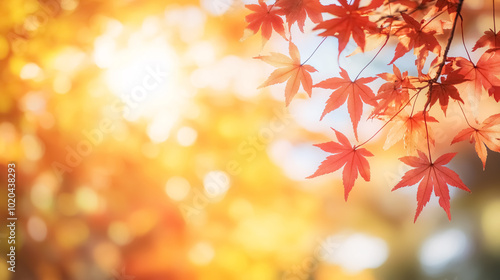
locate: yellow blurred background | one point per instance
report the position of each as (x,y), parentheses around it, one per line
(144,150)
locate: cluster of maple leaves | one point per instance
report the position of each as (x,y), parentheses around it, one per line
(424,26)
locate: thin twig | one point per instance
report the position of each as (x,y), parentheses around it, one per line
(414,103)
(463,39)
(438,73)
(378,52)
(494,22)
(466,120)
(313,52)
(448,45)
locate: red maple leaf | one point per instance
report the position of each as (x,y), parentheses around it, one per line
(481,75)
(266,19)
(495,93)
(416,36)
(432,176)
(350,20)
(449,5)
(355,92)
(352,158)
(297,10)
(290,70)
(394,93)
(445,89)
(490,39)
(487,135)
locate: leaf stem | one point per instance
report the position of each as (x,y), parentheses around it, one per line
(494,22)
(466,120)
(313,51)
(463,39)
(378,52)
(414,103)
(426,126)
(433,18)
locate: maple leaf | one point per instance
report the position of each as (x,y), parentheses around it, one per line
(487,135)
(352,158)
(418,8)
(416,36)
(481,75)
(290,70)
(433,176)
(266,19)
(394,93)
(450,5)
(355,92)
(351,20)
(445,89)
(410,129)
(490,39)
(297,10)
(495,93)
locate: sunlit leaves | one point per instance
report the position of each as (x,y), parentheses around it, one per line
(487,135)
(266,18)
(482,75)
(354,92)
(349,20)
(419,37)
(411,129)
(490,39)
(408,97)
(431,176)
(443,91)
(352,158)
(290,70)
(296,11)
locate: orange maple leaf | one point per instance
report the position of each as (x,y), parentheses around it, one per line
(297,10)
(290,70)
(264,18)
(352,158)
(410,129)
(416,36)
(489,39)
(481,75)
(350,20)
(432,176)
(355,92)
(487,135)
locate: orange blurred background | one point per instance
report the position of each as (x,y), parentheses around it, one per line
(144,150)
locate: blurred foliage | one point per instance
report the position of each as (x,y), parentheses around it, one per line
(137,200)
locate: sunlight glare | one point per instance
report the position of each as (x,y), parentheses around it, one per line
(357,252)
(142,70)
(441,249)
